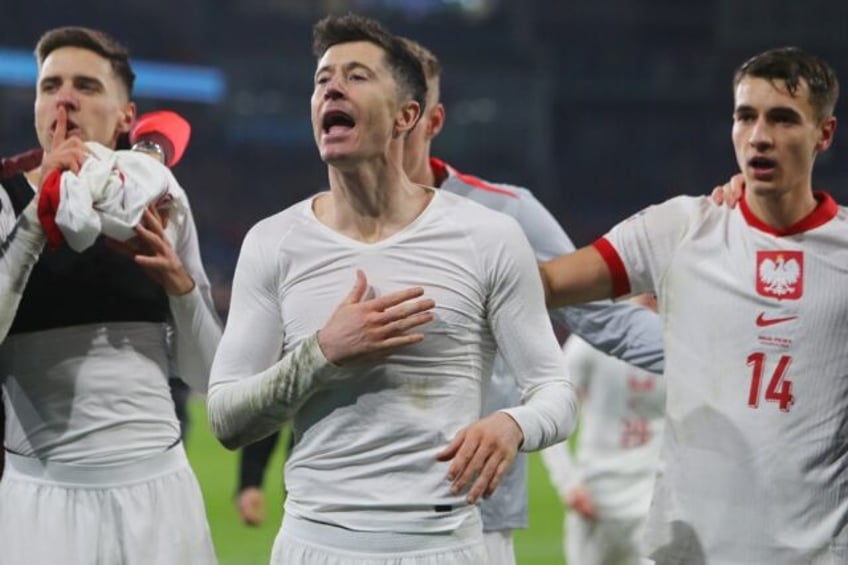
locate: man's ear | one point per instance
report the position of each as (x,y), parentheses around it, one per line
(406,118)
(435,120)
(827,129)
(128,113)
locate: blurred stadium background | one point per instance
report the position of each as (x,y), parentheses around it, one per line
(598,106)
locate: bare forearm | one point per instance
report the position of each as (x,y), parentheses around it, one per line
(578,277)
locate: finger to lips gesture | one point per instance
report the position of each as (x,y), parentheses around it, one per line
(375,327)
(64,153)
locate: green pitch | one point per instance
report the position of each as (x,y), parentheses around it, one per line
(236,544)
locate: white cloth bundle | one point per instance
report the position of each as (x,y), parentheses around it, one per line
(110,194)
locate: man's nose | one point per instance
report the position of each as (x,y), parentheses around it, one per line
(67,97)
(761,136)
(334,89)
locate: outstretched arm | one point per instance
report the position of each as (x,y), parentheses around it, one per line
(620,329)
(582,276)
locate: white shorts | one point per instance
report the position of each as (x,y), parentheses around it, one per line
(140,513)
(499,547)
(304,542)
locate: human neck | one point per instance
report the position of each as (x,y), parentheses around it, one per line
(781,210)
(371,201)
(423,173)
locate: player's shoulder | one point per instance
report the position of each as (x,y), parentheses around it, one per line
(690,205)
(279,226)
(493,194)
(684,209)
(473,214)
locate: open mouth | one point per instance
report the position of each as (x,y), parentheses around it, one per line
(762,164)
(335,120)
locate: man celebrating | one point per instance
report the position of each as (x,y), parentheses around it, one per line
(94,463)
(378,411)
(756,322)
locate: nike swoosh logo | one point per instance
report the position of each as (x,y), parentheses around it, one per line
(763,322)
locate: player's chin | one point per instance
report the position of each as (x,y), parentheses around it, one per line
(337,157)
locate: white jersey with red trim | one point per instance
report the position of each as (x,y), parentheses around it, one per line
(365,447)
(756,327)
(621,424)
(620,329)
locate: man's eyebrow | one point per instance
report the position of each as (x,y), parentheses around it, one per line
(86,79)
(49,79)
(346,66)
(784,111)
(75,78)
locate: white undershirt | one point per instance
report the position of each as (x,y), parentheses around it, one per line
(366,436)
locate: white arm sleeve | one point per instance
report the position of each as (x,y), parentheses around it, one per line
(21,241)
(252,391)
(197,329)
(527,343)
(622,330)
(646,242)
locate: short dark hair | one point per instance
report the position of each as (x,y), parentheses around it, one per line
(405,66)
(790,65)
(431,64)
(93,40)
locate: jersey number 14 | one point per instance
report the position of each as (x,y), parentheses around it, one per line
(779,388)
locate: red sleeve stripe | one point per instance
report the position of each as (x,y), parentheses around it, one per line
(620,281)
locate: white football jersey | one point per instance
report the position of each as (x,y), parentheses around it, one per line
(365,447)
(756,336)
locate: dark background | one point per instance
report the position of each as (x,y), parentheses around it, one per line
(598,106)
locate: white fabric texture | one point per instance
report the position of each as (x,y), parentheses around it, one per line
(500,549)
(621,425)
(602,542)
(303,542)
(621,329)
(110,194)
(23,241)
(151,512)
(757,382)
(366,439)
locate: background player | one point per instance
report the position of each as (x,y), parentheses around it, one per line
(608,488)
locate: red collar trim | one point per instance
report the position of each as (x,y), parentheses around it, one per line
(442,171)
(825,211)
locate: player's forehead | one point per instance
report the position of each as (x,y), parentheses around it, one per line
(353,54)
(76,61)
(764,94)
